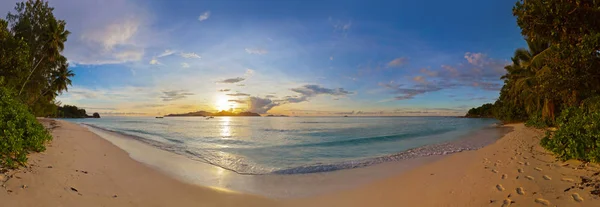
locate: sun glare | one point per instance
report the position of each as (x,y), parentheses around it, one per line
(222,103)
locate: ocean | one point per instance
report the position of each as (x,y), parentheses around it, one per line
(297,145)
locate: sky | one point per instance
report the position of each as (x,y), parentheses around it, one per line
(302,58)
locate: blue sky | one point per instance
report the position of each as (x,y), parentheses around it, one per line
(287,57)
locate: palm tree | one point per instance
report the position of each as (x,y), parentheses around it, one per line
(52,47)
(61,79)
(522,79)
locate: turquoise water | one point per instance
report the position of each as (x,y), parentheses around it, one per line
(290,145)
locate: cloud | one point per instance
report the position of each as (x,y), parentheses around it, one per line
(238,101)
(149,105)
(428,72)
(241,85)
(105,32)
(313,90)
(175,95)
(270,96)
(224,90)
(452,70)
(308,91)
(154,61)
(189,55)
(112,44)
(166,53)
(204,16)
(185,65)
(256,51)
(479,72)
(419,79)
(403,92)
(397,62)
(232,80)
(237,94)
(249,73)
(260,105)
(477,59)
(330,57)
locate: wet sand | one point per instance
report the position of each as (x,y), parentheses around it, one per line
(82,169)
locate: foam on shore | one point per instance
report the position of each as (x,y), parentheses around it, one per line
(306,181)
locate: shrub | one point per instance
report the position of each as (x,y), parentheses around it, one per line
(537,121)
(578,135)
(20,132)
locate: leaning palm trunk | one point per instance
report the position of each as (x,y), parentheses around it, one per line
(29,76)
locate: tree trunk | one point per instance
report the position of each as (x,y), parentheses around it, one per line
(29,76)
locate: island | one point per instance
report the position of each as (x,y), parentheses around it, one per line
(220,113)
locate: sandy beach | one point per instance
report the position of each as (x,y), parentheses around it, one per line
(80,168)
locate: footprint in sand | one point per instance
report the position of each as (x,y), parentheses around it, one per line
(576,197)
(504,176)
(567,180)
(497,164)
(520,191)
(506,202)
(542,201)
(527,163)
(538,169)
(529,177)
(494,171)
(520,163)
(547,177)
(499,187)
(520,170)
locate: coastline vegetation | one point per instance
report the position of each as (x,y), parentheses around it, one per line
(556,81)
(33,72)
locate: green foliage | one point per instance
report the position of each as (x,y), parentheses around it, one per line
(31,42)
(484,111)
(19,131)
(68,111)
(577,137)
(537,121)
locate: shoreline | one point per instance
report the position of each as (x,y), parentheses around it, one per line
(467,140)
(103,174)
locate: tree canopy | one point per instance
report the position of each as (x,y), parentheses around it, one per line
(32,41)
(556,81)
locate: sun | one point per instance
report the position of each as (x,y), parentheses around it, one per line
(222,103)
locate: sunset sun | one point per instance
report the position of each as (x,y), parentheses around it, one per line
(222,103)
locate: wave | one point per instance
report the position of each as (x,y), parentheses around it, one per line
(369,140)
(425,151)
(242,165)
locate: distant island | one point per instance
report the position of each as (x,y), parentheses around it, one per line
(220,113)
(271,115)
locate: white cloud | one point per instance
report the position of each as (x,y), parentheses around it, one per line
(185,65)
(189,55)
(477,59)
(166,53)
(104,32)
(256,51)
(204,16)
(331,58)
(154,61)
(397,62)
(249,73)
